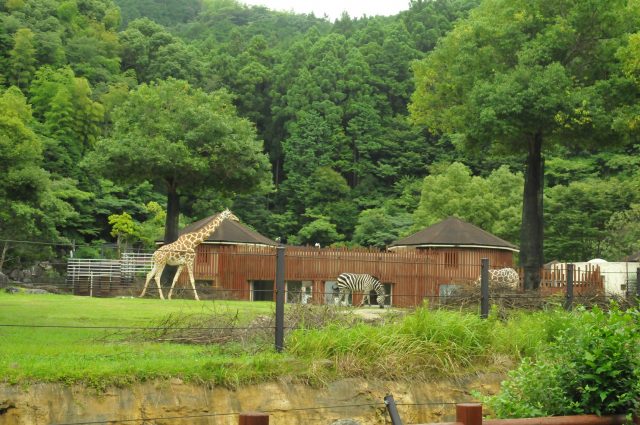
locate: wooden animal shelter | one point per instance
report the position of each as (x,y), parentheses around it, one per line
(239,263)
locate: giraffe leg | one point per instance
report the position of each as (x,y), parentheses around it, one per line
(192,280)
(157,279)
(149,277)
(175,279)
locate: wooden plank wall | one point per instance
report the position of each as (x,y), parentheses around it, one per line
(413,274)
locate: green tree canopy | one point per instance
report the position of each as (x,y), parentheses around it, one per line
(520,76)
(183,139)
(491,203)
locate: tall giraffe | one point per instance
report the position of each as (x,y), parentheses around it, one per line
(182,253)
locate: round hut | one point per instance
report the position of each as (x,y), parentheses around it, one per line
(454,249)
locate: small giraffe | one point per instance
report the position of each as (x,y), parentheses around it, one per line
(502,277)
(182,253)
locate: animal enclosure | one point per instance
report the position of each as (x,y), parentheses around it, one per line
(409,275)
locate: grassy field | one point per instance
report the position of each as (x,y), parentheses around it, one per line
(67,349)
(58,338)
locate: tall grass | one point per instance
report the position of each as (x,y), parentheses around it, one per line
(430,343)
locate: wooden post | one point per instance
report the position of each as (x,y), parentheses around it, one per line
(637,283)
(484,289)
(569,301)
(254,418)
(469,413)
(280,298)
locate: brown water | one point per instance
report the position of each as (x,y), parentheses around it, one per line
(179,403)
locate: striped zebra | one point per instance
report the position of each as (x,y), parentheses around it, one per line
(352,282)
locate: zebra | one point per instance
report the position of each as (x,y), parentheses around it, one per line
(352,282)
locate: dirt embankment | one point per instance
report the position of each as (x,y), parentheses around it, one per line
(178,403)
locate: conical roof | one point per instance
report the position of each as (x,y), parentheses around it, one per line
(453,232)
(229,232)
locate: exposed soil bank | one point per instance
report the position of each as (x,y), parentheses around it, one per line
(173,400)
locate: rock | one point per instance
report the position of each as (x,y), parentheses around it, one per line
(3,279)
(36,271)
(345,422)
(36,291)
(45,265)
(12,290)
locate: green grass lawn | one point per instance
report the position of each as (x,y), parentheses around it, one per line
(71,353)
(60,339)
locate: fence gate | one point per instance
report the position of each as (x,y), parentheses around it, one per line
(101,277)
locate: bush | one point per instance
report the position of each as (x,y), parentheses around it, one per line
(592,367)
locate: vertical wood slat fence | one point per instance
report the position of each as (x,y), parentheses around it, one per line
(413,274)
(586,279)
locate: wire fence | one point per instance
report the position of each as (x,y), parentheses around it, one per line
(258,275)
(321,409)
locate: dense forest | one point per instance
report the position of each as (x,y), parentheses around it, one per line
(122,120)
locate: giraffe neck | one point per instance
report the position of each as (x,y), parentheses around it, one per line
(200,235)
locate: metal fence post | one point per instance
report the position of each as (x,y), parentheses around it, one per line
(637,284)
(279,298)
(484,289)
(392,409)
(254,418)
(469,413)
(568,305)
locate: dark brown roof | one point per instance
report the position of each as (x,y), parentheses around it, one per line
(229,232)
(454,232)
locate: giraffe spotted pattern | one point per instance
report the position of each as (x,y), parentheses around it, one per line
(182,253)
(502,277)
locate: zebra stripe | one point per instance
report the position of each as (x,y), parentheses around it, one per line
(365,283)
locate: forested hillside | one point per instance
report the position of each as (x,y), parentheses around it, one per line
(121,120)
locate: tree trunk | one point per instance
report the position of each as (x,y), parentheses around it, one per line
(5,248)
(532,230)
(171,227)
(173,213)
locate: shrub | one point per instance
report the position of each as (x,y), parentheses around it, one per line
(593,366)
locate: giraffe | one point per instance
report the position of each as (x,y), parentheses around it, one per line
(506,277)
(182,253)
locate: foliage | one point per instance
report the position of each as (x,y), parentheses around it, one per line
(327,104)
(191,139)
(428,343)
(593,366)
(491,203)
(517,77)
(34,205)
(591,223)
(623,233)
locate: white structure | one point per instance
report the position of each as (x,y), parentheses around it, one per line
(619,277)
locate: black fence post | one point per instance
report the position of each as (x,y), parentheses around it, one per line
(392,409)
(279,298)
(568,305)
(484,289)
(637,285)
